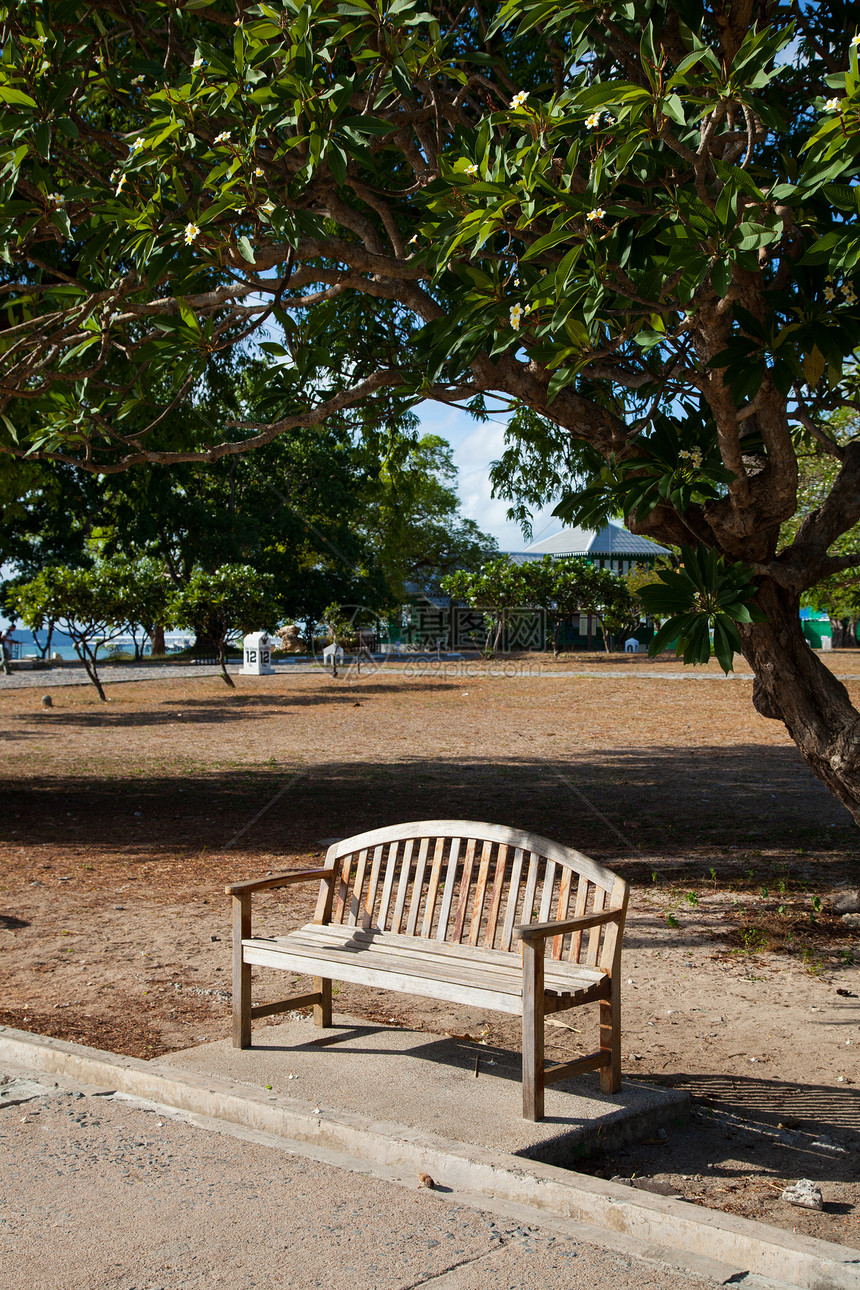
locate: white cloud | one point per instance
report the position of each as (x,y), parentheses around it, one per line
(476,444)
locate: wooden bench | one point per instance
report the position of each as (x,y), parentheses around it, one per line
(460,911)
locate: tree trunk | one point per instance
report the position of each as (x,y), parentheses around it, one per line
(158,646)
(89,662)
(556,636)
(793,685)
(222,658)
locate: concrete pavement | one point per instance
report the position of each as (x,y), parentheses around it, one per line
(110,1193)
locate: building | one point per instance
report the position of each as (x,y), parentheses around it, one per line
(612,547)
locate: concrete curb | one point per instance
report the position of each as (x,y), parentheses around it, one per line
(752,1248)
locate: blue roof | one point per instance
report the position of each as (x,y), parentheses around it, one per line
(612,540)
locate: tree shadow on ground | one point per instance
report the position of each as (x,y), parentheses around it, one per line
(212,710)
(726,813)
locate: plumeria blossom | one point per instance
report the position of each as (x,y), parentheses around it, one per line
(223,137)
(138,80)
(516,316)
(120,185)
(138,144)
(191,232)
(56,199)
(829,294)
(597,214)
(259,172)
(413,239)
(855,40)
(198,64)
(833,105)
(692,455)
(471,169)
(518,100)
(593,121)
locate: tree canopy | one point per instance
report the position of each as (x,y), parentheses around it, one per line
(636,222)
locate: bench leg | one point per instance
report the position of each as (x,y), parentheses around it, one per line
(533,1032)
(610,1040)
(241,973)
(322,1010)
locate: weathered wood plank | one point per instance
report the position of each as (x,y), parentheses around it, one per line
(343,888)
(241,972)
(533,1032)
(480,893)
(388,883)
(277,880)
(578,911)
(433,888)
(547,892)
(285,1005)
(402,884)
(498,833)
(417,887)
(531,887)
(513,899)
(593,1062)
(564,886)
(465,885)
(322,1008)
(355,902)
(448,892)
(372,887)
(594,935)
(357,970)
(496,896)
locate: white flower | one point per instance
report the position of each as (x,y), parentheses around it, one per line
(138,80)
(57,199)
(471,169)
(259,172)
(829,293)
(223,137)
(855,40)
(833,105)
(519,99)
(693,455)
(138,144)
(516,316)
(593,121)
(597,214)
(191,232)
(198,64)
(413,239)
(120,185)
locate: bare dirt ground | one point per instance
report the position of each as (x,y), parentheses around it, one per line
(123,822)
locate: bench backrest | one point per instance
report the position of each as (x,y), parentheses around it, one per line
(470,883)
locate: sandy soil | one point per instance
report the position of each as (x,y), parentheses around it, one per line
(123,821)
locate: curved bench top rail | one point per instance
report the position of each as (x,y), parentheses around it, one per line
(566,856)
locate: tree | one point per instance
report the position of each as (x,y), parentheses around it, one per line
(413,521)
(236,598)
(86,604)
(645,237)
(497,588)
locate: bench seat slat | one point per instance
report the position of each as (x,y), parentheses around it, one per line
(490,964)
(443,978)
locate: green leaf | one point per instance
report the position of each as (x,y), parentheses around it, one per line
(246,250)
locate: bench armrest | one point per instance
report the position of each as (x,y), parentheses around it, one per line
(541,931)
(277,880)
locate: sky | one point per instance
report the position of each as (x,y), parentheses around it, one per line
(475,445)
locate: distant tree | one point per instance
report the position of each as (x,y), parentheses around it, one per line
(572,585)
(144,591)
(234,599)
(414,522)
(86,604)
(497,588)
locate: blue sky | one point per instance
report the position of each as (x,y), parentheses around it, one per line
(475,445)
